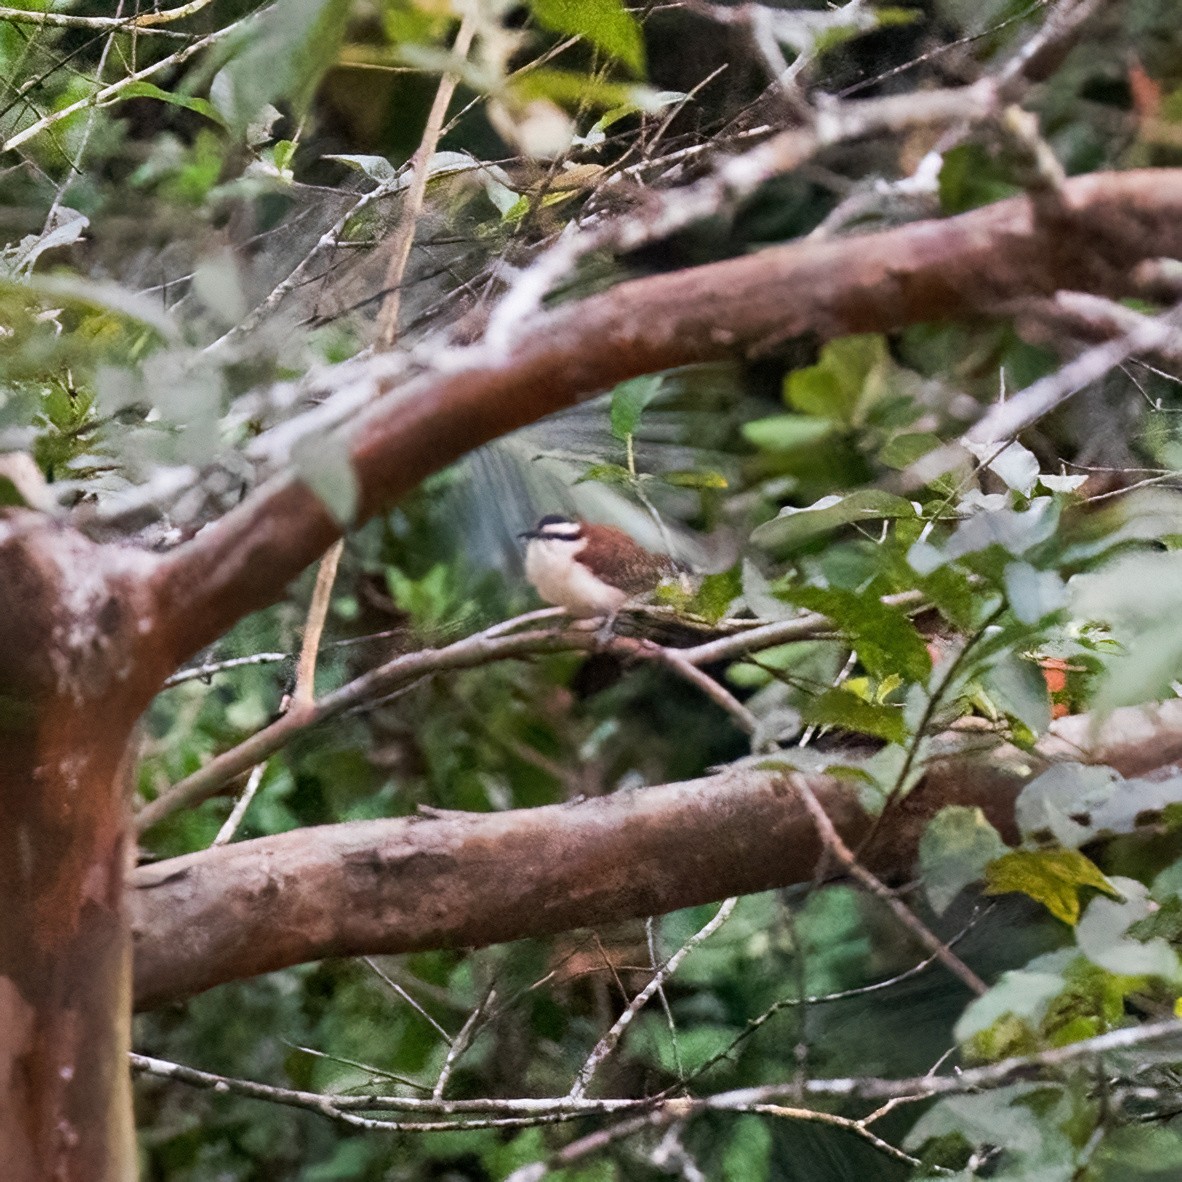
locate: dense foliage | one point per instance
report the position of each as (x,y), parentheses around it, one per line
(200,221)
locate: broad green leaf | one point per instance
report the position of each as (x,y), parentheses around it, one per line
(788,432)
(1102,935)
(607,24)
(834,387)
(956,846)
(1059,802)
(838,707)
(606,474)
(279,55)
(902,451)
(716,593)
(1138,1153)
(1015,531)
(570,89)
(68,226)
(1019,993)
(100,294)
(323,464)
(1016,465)
(885,639)
(628,402)
(1052,877)
(694,478)
(377,168)
(794,527)
(748,1151)
(1144,672)
(1017,688)
(188,101)
(991,1118)
(1032,593)
(1105,594)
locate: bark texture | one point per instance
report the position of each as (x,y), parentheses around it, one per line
(474,879)
(73,679)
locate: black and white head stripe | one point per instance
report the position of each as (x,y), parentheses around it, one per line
(555,528)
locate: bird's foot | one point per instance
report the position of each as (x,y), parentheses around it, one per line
(606,631)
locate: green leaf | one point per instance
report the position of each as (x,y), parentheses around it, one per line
(571,89)
(188,101)
(607,24)
(1102,935)
(1015,531)
(1017,688)
(1062,800)
(1138,1153)
(748,1152)
(694,479)
(839,707)
(96,293)
(787,432)
(990,1118)
(323,464)
(606,474)
(1016,465)
(1053,877)
(793,527)
(628,402)
(1033,594)
(956,846)
(885,639)
(902,451)
(970,177)
(716,594)
(377,168)
(1019,993)
(1144,672)
(834,387)
(279,55)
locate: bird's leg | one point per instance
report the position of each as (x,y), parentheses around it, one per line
(607,630)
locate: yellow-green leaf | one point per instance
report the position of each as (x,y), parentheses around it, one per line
(1052,877)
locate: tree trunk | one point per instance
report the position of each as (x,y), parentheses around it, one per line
(72,683)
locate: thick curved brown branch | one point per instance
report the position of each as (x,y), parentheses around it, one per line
(411,884)
(956,268)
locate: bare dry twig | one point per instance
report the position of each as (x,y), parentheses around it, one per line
(842,852)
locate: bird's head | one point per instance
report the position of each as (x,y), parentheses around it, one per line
(554,528)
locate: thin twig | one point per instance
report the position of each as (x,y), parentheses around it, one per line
(460,1044)
(404,234)
(913,1088)
(857,1127)
(499,642)
(111,92)
(144,22)
(206,671)
(837,847)
(227,831)
(608,1042)
(303,695)
(406,997)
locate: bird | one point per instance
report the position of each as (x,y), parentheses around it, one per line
(590,570)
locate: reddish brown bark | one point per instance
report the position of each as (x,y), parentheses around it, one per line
(408,885)
(70,691)
(477,879)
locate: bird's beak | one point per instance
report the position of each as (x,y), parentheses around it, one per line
(529,533)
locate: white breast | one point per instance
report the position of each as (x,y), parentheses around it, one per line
(551,566)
